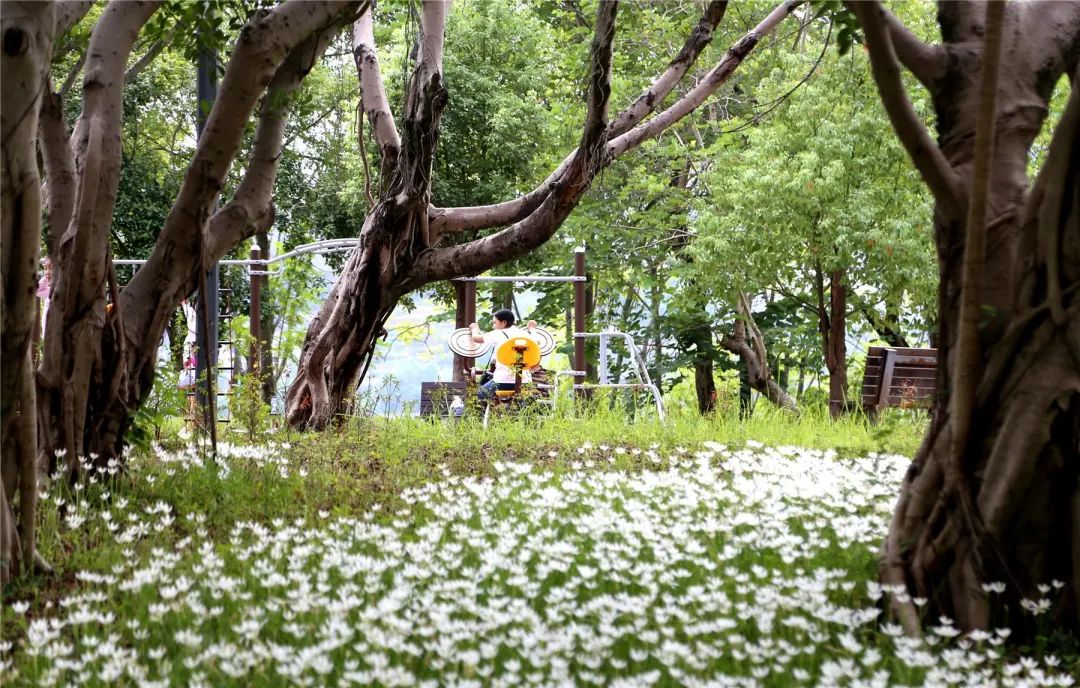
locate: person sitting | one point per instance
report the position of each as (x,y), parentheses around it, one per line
(504,377)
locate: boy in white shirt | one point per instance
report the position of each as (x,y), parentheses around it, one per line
(503,379)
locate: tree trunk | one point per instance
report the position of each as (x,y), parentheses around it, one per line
(340,341)
(994,492)
(705,385)
(831,327)
(99,363)
(747,342)
(836,345)
(24,63)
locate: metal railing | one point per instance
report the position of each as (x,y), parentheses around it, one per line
(640,369)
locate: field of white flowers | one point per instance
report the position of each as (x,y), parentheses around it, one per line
(717,566)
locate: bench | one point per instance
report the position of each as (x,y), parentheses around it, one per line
(435,397)
(899,377)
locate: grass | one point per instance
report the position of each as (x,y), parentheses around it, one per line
(354,555)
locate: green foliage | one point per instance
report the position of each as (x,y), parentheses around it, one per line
(497,66)
(160,414)
(292,296)
(848,32)
(765,181)
(247,410)
(822,186)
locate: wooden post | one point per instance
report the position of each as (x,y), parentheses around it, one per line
(888,364)
(579,318)
(470,313)
(255,313)
(459,362)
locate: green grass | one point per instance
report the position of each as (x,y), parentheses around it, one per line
(372,460)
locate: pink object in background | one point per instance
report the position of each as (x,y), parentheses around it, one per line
(43,284)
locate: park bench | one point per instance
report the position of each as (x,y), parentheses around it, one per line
(435,397)
(899,377)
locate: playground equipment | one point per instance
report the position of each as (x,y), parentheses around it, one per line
(519,353)
(460,342)
(259,269)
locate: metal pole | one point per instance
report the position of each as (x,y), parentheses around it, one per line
(603,360)
(255,314)
(579,317)
(459,362)
(470,313)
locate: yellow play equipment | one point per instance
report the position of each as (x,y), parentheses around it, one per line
(518,354)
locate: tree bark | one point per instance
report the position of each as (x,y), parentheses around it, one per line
(24,63)
(92,387)
(73,360)
(340,340)
(836,344)
(995,495)
(832,326)
(267,379)
(705,385)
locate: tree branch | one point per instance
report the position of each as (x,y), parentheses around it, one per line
(753,355)
(706,87)
(444,220)
(180,252)
(263,46)
(925,60)
(537,227)
(251,209)
(68,14)
(424,102)
(73,74)
(650,98)
(373,96)
(59,166)
(144,61)
(102,115)
(927,156)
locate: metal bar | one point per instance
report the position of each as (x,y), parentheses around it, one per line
(328,246)
(254,319)
(207,327)
(229,261)
(641,370)
(603,360)
(579,313)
